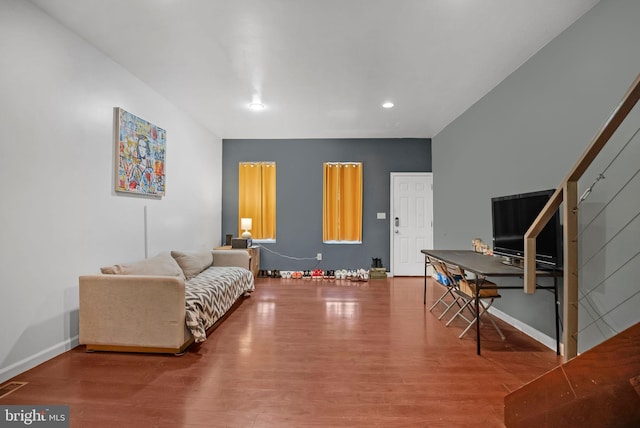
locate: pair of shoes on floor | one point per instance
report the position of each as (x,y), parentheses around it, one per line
(360,275)
(330,274)
(264,273)
(344,273)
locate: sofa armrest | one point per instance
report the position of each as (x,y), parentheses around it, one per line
(132,310)
(239,258)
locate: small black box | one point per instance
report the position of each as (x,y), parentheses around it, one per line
(240,243)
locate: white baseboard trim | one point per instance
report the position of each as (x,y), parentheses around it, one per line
(430,273)
(30,362)
(546,340)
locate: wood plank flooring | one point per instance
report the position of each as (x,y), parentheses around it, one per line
(304,354)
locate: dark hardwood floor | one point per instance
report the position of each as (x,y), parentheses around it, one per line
(302,353)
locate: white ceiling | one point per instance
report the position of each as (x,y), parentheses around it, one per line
(321,67)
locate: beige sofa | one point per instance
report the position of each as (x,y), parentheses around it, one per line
(164,303)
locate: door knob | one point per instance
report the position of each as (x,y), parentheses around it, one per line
(397,222)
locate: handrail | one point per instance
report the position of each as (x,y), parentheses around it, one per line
(567,193)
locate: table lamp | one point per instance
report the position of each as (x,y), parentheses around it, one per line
(245,223)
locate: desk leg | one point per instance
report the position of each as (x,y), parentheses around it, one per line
(424,295)
(477,296)
(555,304)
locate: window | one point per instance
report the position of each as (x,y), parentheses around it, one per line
(342,204)
(257,198)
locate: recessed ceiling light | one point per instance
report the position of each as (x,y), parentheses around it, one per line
(387,104)
(256,106)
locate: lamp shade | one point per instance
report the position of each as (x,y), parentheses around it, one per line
(245,223)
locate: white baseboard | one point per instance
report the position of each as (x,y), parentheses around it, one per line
(430,273)
(546,340)
(30,362)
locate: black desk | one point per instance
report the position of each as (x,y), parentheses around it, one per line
(483,266)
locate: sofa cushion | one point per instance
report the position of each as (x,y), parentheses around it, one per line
(194,262)
(162,265)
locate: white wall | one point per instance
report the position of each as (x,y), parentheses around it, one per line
(60,216)
(525,135)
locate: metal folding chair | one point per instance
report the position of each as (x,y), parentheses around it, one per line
(450,285)
(466,291)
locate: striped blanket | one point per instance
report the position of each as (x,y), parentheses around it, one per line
(210,295)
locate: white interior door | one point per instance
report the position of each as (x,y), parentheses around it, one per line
(411,221)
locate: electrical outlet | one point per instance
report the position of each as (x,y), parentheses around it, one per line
(319,256)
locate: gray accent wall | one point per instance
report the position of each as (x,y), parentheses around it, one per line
(299,195)
(527,133)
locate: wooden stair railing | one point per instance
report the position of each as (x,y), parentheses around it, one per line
(599,388)
(567,192)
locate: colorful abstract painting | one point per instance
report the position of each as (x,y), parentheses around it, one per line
(141,149)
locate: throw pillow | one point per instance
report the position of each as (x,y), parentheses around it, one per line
(162,264)
(194,262)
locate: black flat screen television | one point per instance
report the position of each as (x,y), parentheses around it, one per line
(512,216)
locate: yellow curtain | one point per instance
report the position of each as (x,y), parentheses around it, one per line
(330,229)
(342,208)
(257,198)
(268,218)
